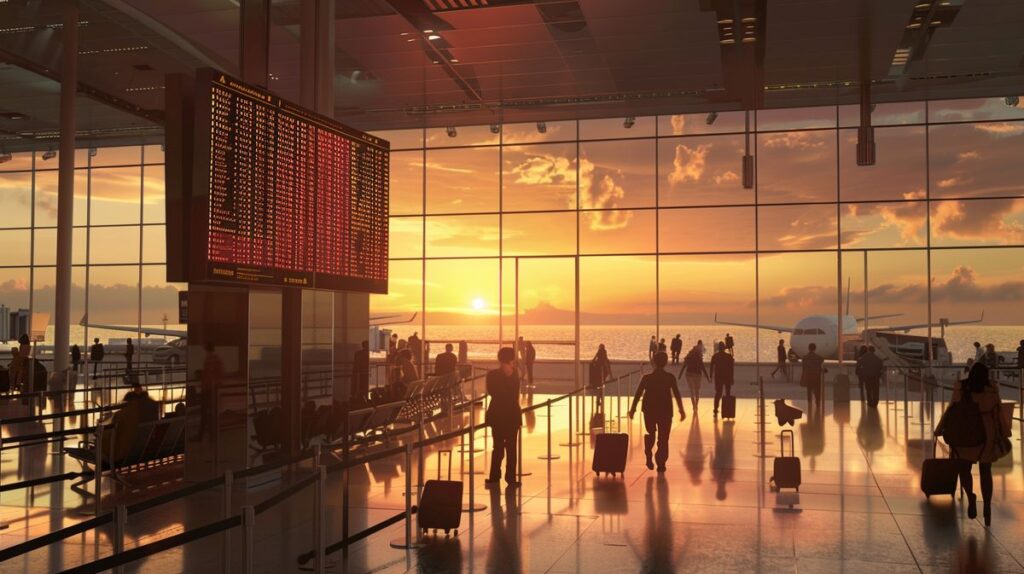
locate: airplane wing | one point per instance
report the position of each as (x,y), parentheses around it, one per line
(383,319)
(778,328)
(940,323)
(875,317)
(147,331)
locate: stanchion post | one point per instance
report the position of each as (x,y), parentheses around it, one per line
(248,535)
(229,484)
(120,521)
(407,542)
(98,469)
(549,455)
(319,521)
(572,433)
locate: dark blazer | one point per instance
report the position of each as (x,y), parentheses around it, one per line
(445,363)
(658,389)
(813,367)
(722,367)
(504,411)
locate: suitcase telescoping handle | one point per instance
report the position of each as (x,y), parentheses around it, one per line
(449,451)
(782,442)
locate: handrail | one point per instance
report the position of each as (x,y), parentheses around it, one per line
(43,480)
(366,533)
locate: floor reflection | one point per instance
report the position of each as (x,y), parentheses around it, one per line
(503,553)
(658,536)
(694,456)
(722,461)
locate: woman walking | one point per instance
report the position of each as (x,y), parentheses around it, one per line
(693,368)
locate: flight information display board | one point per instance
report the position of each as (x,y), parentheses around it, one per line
(285,196)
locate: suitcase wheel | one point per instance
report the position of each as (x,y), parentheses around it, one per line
(456,531)
(446,531)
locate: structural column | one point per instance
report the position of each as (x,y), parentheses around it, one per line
(66,186)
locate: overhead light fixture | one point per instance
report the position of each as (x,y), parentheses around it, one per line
(454,60)
(93,151)
(452,132)
(495,128)
(428,31)
(1012,101)
(542,127)
(628,122)
(49,154)
(712,116)
(14,116)
(433,37)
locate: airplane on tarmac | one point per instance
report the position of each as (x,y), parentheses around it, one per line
(824,330)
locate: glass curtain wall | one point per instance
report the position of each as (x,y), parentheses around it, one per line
(633,229)
(119,275)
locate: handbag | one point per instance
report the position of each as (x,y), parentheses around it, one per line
(1002,445)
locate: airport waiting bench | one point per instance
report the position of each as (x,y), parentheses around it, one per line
(155,444)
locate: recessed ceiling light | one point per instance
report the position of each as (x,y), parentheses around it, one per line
(433,37)
(455,60)
(404,34)
(428,31)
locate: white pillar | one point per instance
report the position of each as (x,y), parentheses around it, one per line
(66,186)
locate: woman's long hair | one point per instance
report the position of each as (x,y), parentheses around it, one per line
(977,378)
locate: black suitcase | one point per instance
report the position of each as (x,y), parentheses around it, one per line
(787,468)
(939,475)
(610,451)
(728,407)
(441,503)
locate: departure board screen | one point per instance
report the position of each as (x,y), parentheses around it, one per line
(285,196)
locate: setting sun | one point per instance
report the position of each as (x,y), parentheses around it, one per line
(478,303)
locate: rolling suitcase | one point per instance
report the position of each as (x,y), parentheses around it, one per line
(787,468)
(610,453)
(939,475)
(728,407)
(441,503)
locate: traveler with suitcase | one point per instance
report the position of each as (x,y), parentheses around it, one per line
(658,389)
(869,371)
(722,368)
(974,428)
(786,469)
(693,368)
(504,416)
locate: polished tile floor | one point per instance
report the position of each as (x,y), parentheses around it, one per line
(859,509)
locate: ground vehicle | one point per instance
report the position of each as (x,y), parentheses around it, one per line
(172,353)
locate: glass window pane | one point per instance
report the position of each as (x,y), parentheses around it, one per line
(694,288)
(16,199)
(884,225)
(617,231)
(977,222)
(78,306)
(796,118)
(461,136)
(46,198)
(884,114)
(709,123)
(969,281)
(706,229)
(702,171)
(159,298)
(976,160)
(19,161)
(14,290)
(794,286)
(153,195)
(17,247)
(547,304)
(405,237)
(899,171)
(896,284)
(153,154)
(796,166)
(116,193)
(405,280)
(462,303)
(405,190)
(531,132)
(44,291)
(122,155)
(970,110)
(797,227)
(114,244)
(462,180)
(113,298)
(462,236)
(154,244)
(618,128)
(539,177)
(619,314)
(539,234)
(402,139)
(617,174)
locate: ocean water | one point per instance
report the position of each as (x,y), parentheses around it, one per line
(624,342)
(629,342)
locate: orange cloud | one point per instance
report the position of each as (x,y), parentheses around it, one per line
(794,140)
(1001,129)
(688,164)
(598,190)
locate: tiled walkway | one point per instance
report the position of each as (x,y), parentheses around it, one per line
(859,510)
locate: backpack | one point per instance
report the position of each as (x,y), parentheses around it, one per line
(962,425)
